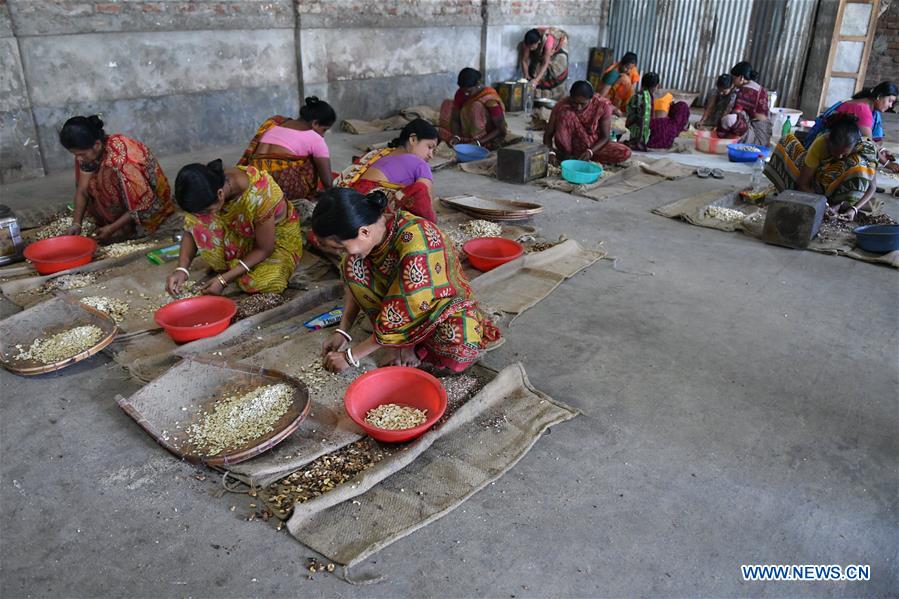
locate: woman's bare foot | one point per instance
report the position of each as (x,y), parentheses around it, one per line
(405,356)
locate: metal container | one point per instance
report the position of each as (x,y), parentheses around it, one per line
(521,162)
(794,218)
(10,237)
(512,94)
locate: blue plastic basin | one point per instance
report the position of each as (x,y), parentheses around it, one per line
(581,172)
(737,155)
(469,152)
(878,239)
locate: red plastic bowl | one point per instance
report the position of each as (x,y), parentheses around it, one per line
(400,385)
(486,253)
(196,317)
(60,253)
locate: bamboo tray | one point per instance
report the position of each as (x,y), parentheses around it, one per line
(493,209)
(170,403)
(50,317)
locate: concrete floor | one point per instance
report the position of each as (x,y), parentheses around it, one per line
(739,406)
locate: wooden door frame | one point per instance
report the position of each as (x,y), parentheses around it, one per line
(867,40)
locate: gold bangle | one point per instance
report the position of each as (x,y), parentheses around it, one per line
(222,280)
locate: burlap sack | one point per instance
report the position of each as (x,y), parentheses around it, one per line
(480,442)
(518,285)
(693,210)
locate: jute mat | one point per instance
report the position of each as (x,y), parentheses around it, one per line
(148,356)
(16,279)
(519,285)
(627,180)
(479,443)
(694,210)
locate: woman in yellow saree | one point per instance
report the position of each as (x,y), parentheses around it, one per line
(239,223)
(474,115)
(405,275)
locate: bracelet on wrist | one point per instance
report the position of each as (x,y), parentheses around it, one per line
(345,335)
(244,264)
(222,280)
(350,359)
(184,270)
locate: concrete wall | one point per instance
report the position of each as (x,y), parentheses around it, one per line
(883,64)
(20,156)
(183,74)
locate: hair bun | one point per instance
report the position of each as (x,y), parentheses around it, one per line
(378,199)
(216,166)
(312,100)
(95,121)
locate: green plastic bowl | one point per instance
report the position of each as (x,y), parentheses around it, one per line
(581,172)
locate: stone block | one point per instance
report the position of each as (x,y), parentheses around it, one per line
(794,218)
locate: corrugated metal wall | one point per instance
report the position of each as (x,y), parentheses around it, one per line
(690,42)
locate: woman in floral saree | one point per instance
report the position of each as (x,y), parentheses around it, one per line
(239,223)
(118,181)
(405,275)
(474,115)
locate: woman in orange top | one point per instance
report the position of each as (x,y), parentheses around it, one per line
(118,181)
(619,81)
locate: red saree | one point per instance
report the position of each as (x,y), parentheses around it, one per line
(575,131)
(129,180)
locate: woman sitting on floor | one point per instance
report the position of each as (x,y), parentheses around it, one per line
(405,274)
(619,81)
(580,126)
(868,105)
(748,118)
(721,101)
(118,181)
(401,170)
(474,115)
(840,164)
(240,225)
(293,151)
(654,123)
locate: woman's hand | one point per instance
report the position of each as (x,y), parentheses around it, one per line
(212,287)
(533,83)
(335,343)
(892,167)
(174,281)
(335,361)
(74,229)
(587,156)
(104,233)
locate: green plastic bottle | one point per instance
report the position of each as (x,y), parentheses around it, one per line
(785,130)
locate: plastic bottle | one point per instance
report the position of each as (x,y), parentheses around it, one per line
(785,130)
(758,173)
